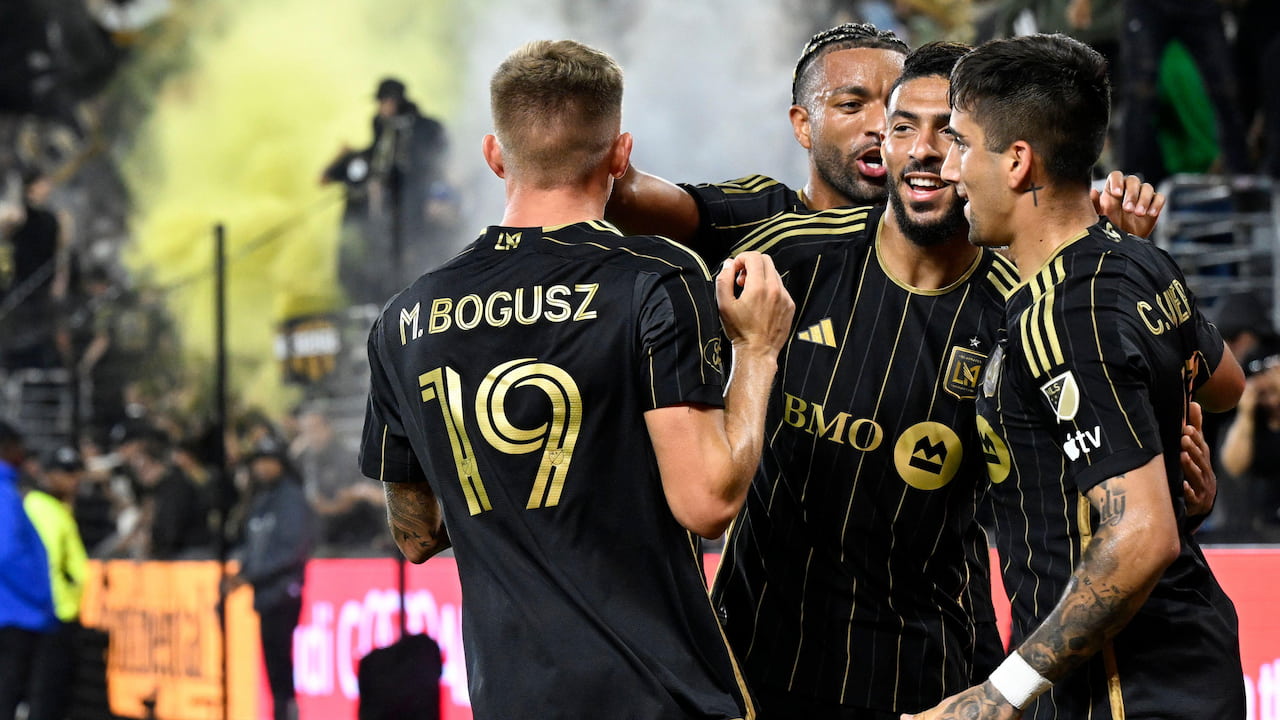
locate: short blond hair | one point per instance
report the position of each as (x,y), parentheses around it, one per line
(557,109)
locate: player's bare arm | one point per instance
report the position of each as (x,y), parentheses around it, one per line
(707,456)
(416,520)
(644,204)
(1225,385)
(1136,539)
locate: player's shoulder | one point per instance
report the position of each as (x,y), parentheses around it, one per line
(751,194)
(810,231)
(1106,257)
(601,242)
(997,274)
(746,185)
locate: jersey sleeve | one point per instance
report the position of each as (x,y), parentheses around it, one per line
(729,211)
(1091,370)
(385,452)
(1209,348)
(679,339)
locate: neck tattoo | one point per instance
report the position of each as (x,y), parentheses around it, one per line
(1035,199)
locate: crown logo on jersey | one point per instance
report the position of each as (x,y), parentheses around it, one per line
(963,372)
(507,241)
(928,455)
(1064,395)
(822,333)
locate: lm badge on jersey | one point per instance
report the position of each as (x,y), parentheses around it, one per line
(1063,393)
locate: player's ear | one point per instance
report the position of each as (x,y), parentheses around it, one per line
(801,127)
(1018,160)
(492,150)
(620,155)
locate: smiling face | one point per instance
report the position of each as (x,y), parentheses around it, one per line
(978,176)
(843,122)
(925,206)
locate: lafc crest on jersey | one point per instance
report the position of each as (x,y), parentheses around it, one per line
(964,368)
(1063,394)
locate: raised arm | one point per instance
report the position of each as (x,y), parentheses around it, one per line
(644,204)
(1136,540)
(707,456)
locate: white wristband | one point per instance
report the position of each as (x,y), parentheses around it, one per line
(1018,682)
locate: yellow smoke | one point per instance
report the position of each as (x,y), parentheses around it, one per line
(273,89)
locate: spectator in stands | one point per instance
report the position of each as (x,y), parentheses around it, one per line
(49,507)
(96,504)
(1243,322)
(351,509)
(26,598)
(398,174)
(35,241)
(1095,22)
(1251,447)
(175,513)
(97,362)
(278,541)
(1149,26)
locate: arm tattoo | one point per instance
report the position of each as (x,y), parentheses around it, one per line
(1112,510)
(416,520)
(973,704)
(1095,605)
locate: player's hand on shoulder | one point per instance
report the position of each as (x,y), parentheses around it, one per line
(1130,204)
(757,318)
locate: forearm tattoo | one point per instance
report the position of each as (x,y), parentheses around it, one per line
(1111,511)
(1095,606)
(977,702)
(415,519)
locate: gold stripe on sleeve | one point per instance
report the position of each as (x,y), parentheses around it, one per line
(382,459)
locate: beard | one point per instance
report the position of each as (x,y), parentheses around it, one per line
(840,172)
(925,233)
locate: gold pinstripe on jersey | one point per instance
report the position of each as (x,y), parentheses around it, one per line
(1097,339)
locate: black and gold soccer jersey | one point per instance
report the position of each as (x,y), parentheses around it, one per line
(514,379)
(1103,346)
(845,577)
(729,211)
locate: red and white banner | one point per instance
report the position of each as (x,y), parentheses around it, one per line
(351,607)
